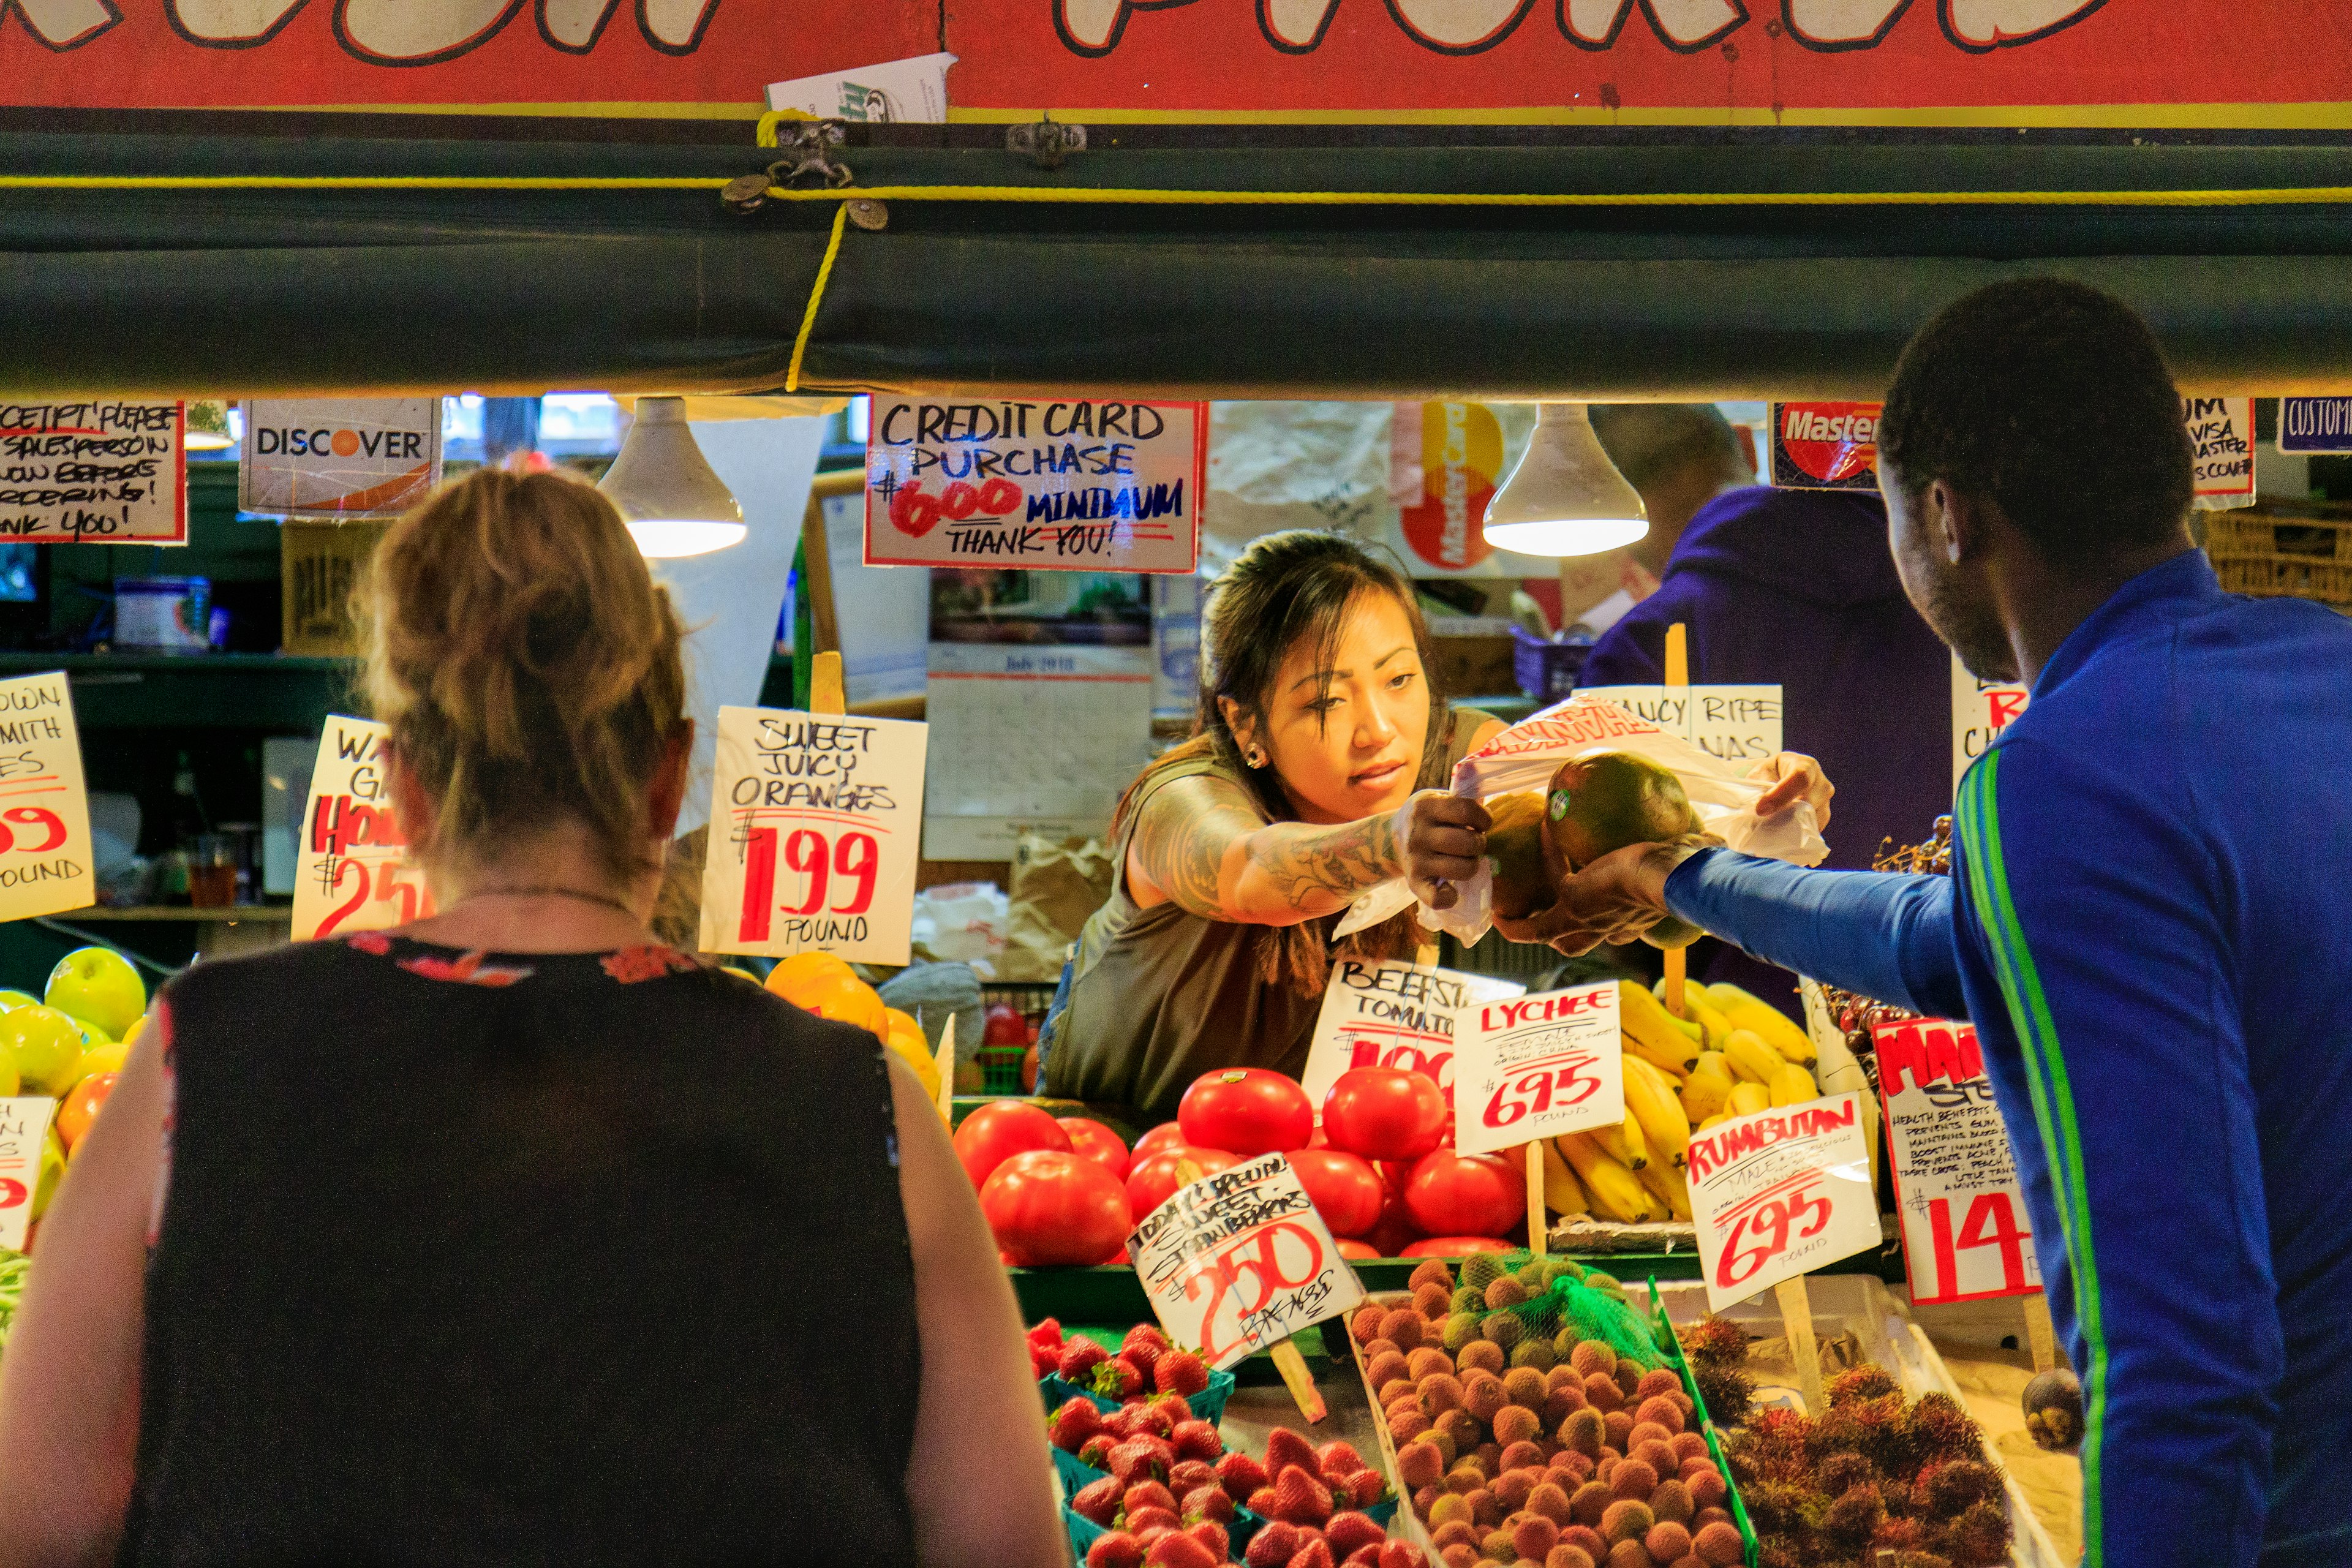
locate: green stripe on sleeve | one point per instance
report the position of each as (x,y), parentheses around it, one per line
(2053,1107)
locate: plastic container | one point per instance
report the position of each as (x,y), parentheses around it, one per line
(1547,671)
(1209,1404)
(164,614)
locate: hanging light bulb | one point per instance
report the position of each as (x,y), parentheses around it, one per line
(1565,497)
(674,504)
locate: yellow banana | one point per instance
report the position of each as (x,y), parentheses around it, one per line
(1705,1092)
(1746,1011)
(1562,1193)
(1667,1186)
(1616,1191)
(1750,1059)
(1625,1144)
(1717,1120)
(1663,1122)
(1747,1099)
(1792,1085)
(1649,1031)
(1700,1013)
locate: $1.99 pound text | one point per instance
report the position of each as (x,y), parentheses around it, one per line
(854,858)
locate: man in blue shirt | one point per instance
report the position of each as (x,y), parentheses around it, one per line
(2148,920)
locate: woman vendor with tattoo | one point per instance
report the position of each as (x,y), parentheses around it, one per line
(1314,774)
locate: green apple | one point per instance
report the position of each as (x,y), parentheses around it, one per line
(9,999)
(46,1046)
(97,985)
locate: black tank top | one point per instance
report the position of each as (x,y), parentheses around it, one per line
(521,1259)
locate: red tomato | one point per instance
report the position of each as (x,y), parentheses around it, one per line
(1096,1142)
(1457,1247)
(1050,1207)
(1385,1113)
(1347,1190)
(1476,1195)
(1396,1229)
(1004,1026)
(1247,1111)
(1153,1179)
(1001,1129)
(1167,1135)
(1357,1250)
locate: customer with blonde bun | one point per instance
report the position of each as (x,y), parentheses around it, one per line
(513,1236)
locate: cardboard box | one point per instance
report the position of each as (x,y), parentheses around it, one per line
(320,564)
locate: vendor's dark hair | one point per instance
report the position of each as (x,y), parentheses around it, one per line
(2052,399)
(1282,589)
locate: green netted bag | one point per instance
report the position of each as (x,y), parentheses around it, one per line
(1563,1295)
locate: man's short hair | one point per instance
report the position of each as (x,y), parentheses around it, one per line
(1650,441)
(2052,399)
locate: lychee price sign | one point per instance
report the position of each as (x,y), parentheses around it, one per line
(1077,484)
(1393,1014)
(1964,1229)
(353,873)
(817,823)
(338,457)
(46,861)
(1240,1261)
(24,1124)
(1778,1194)
(1536,1067)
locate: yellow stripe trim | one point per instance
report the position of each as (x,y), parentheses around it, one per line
(2326,115)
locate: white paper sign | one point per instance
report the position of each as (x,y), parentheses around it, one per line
(24,1124)
(1780,1193)
(1077,484)
(45,855)
(1981,709)
(816,824)
(1393,1014)
(1536,1067)
(912,91)
(1956,1186)
(2222,444)
(354,873)
(1734,724)
(338,457)
(94,472)
(1240,1261)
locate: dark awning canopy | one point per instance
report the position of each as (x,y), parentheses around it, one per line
(1737,267)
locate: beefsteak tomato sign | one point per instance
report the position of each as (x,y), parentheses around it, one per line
(1392,1014)
(1240,1261)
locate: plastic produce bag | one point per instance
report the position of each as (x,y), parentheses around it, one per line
(1526,755)
(961,922)
(1057,884)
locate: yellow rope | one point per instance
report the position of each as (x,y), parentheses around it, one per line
(816,294)
(2288,195)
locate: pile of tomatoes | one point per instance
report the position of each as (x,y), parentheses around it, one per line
(1381,1167)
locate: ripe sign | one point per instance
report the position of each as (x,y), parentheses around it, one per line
(353,872)
(1536,1067)
(1825,446)
(338,457)
(815,827)
(1955,1186)
(1778,1194)
(45,844)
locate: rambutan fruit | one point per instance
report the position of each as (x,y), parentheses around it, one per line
(1978,1538)
(1938,1429)
(1728,1391)
(1841,1473)
(1952,1486)
(1868,1381)
(1848,1522)
(1717,1340)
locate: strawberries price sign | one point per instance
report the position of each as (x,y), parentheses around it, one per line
(354,873)
(1956,1188)
(1240,1261)
(1536,1067)
(1393,1014)
(23,1125)
(1078,485)
(817,823)
(1779,1192)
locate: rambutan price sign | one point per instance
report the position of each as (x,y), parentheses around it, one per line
(1240,1261)
(1536,1067)
(1780,1194)
(1965,1237)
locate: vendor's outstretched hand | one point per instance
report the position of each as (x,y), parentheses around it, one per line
(1614,899)
(1443,841)
(1793,776)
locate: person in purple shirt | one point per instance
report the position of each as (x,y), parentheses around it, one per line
(1791,588)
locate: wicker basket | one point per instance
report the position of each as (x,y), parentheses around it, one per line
(2300,549)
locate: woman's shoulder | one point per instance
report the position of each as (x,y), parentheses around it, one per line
(1472,727)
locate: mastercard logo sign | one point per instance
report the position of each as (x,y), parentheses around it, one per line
(1825,446)
(333,441)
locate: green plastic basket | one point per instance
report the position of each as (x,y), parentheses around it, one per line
(1706,1426)
(1209,1404)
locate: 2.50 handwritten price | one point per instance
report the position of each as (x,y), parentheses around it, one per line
(853,857)
(1283,1257)
(1769,1223)
(1540,1087)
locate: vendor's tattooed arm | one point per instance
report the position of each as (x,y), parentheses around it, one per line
(1201,844)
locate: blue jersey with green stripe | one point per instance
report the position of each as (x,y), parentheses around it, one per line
(2150,924)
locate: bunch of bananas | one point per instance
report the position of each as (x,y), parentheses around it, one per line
(1731,1054)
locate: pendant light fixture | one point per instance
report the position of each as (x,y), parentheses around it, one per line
(1564,497)
(665,488)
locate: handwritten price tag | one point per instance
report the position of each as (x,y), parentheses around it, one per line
(1240,1261)
(1535,1067)
(1956,1183)
(354,873)
(45,845)
(816,827)
(1395,1014)
(1779,1192)
(24,1124)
